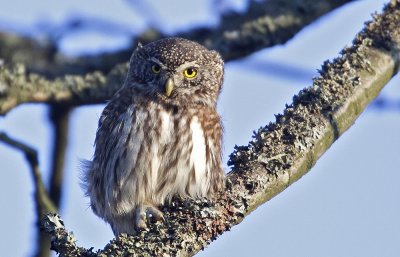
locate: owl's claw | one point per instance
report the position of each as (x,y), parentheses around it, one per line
(154,214)
(145,214)
(140,218)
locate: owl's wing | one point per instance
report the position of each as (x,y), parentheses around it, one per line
(116,148)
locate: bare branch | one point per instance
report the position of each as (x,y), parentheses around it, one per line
(42,200)
(43,203)
(281,152)
(59,116)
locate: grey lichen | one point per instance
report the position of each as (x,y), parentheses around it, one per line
(62,239)
(184,221)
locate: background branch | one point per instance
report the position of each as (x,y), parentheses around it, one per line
(280,152)
(266,24)
(43,203)
(46,202)
(263,24)
(59,116)
(18,86)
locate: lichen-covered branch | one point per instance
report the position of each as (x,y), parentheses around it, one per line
(63,242)
(263,24)
(280,153)
(17,86)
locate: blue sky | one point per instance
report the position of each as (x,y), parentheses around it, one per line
(346,206)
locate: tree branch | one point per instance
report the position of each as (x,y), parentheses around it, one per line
(279,154)
(264,24)
(17,86)
(43,203)
(42,200)
(59,116)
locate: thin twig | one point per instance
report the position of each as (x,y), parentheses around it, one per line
(42,201)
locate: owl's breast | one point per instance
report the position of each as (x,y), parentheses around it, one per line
(161,154)
(178,156)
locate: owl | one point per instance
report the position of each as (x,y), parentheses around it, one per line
(159,136)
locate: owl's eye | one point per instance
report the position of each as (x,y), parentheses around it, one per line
(155,68)
(190,73)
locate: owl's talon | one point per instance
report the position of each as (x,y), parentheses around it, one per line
(140,218)
(146,214)
(141,225)
(154,214)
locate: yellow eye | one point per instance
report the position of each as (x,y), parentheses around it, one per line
(190,73)
(156,69)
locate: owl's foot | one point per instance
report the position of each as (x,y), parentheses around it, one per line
(147,213)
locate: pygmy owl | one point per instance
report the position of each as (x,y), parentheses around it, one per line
(159,136)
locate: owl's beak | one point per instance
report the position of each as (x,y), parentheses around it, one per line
(169,86)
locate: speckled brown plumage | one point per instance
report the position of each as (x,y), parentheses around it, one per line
(155,143)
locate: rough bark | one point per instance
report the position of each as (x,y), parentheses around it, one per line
(280,153)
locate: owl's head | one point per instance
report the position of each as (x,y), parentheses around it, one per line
(177,71)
